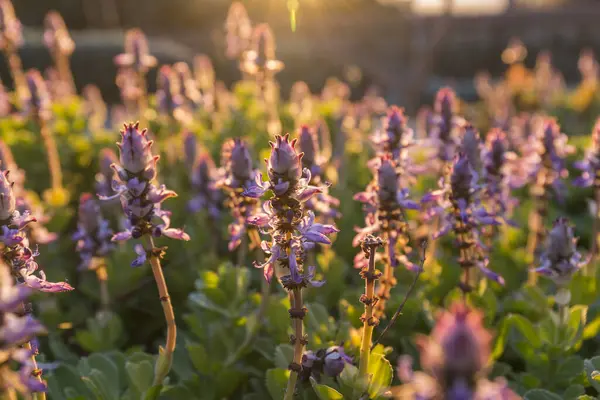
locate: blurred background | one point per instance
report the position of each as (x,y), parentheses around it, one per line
(405,48)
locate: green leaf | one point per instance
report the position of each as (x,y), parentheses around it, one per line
(91,385)
(592,328)
(576,324)
(325,392)
(541,394)
(109,370)
(573,392)
(276,381)
(569,368)
(284,354)
(592,366)
(140,374)
(381,372)
(153,392)
(523,325)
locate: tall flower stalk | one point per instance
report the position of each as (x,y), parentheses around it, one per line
(457,204)
(293,232)
(141,200)
(11,39)
(20,259)
(93,243)
(590,176)
(138,61)
(61,46)
(369,246)
(544,158)
(385,201)
(37,106)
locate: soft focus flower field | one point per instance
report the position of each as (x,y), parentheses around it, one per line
(242,243)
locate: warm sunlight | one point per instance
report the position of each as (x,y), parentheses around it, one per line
(460,6)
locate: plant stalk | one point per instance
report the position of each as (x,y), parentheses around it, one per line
(299,341)
(56,176)
(37,373)
(16,70)
(165,300)
(368,321)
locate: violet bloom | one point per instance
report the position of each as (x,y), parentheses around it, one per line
(187,84)
(93,233)
(260,60)
(561,260)
(26,201)
(458,203)
(455,358)
(16,252)
(37,103)
(16,369)
(329,362)
(590,165)
(5,106)
(168,96)
(141,199)
(292,227)
(385,202)
(106,174)
(395,138)
(206,195)
(322,204)
(444,125)
(235,176)
(136,55)
(11,35)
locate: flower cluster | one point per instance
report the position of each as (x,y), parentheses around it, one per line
(396,138)
(238,30)
(590,165)
(456,358)
(106,174)
(168,96)
(17,329)
(206,195)
(322,204)
(444,125)
(36,102)
(93,233)
(26,201)
(56,35)
(140,198)
(11,35)
(16,252)
(329,362)
(561,260)
(260,60)
(237,174)
(136,55)
(458,203)
(292,227)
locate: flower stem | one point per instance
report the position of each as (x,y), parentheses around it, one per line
(16,70)
(37,373)
(56,176)
(385,285)
(298,340)
(369,322)
(166,357)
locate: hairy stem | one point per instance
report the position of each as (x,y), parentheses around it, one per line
(368,321)
(165,300)
(386,284)
(299,341)
(37,373)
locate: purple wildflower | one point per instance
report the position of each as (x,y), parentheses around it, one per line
(206,195)
(455,358)
(136,55)
(106,174)
(238,30)
(93,233)
(168,96)
(458,204)
(396,137)
(322,204)
(17,329)
(140,198)
(16,252)
(260,60)
(10,27)
(444,125)
(56,35)
(561,260)
(237,175)
(590,165)
(37,103)
(187,84)
(329,362)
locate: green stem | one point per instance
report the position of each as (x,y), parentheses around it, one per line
(165,358)
(296,297)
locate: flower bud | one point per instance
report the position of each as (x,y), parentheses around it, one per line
(284,161)
(387,181)
(471,146)
(10,27)
(8,200)
(462,178)
(56,35)
(136,53)
(335,360)
(135,149)
(309,146)
(236,157)
(88,212)
(496,151)
(445,103)
(38,100)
